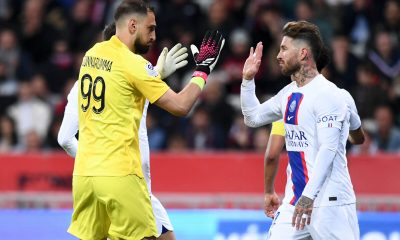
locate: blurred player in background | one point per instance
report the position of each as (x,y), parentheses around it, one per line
(275,145)
(175,59)
(316,121)
(110,194)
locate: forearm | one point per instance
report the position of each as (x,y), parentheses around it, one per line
(271,161)
(179,104)
(255,114)
(270,170)
(249,103)
(323,161)
(322,167)
(357,136)
(70,146)
(66,135)
(188,96)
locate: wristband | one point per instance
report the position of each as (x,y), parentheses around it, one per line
(201,74)
(203,68)
(198,81)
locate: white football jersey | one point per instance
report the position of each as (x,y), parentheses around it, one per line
(304,110)
(355,121)
(72,105)
(144,146)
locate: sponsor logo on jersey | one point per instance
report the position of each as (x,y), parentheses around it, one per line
(150,70)
(295,138)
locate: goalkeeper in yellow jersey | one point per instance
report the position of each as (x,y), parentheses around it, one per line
(175,59)
(109,192)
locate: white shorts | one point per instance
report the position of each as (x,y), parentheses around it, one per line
(333,222)
(160,215)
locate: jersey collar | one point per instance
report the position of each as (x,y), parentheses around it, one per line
(316,79)
(115,40)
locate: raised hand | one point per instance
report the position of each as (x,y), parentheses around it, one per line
(169,61)
(253,62)
(271,204)
(209,52)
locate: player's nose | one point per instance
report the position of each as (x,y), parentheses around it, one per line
(153,37)
(278,57)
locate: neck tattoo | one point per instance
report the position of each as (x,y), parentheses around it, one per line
(305,75)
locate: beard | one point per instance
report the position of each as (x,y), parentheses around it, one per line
(140,48)
(290,68)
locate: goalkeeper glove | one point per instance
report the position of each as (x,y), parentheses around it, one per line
(210,49)
(169,61)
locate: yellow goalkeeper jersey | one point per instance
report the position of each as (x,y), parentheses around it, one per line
(113,86)
(278,128)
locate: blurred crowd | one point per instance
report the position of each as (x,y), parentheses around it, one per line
(42,43)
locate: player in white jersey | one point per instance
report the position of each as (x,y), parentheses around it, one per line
(276,143)
(167,63)
(317,122)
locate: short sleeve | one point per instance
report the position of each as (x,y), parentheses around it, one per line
(355,121)
(147,81)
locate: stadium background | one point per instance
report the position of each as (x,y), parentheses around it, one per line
(206,168)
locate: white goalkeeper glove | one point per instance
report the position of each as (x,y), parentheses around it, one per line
(169,61)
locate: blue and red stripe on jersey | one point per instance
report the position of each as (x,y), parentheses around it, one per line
(292,108)
(299,174)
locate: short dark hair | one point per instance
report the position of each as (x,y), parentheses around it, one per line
(129,7)
(323,59)
(109,31)
(309,33)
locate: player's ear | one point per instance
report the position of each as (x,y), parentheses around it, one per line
(132,25)
(304,54)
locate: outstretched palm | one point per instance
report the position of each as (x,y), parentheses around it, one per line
(253,62)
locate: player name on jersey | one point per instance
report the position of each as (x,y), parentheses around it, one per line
(98,63)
